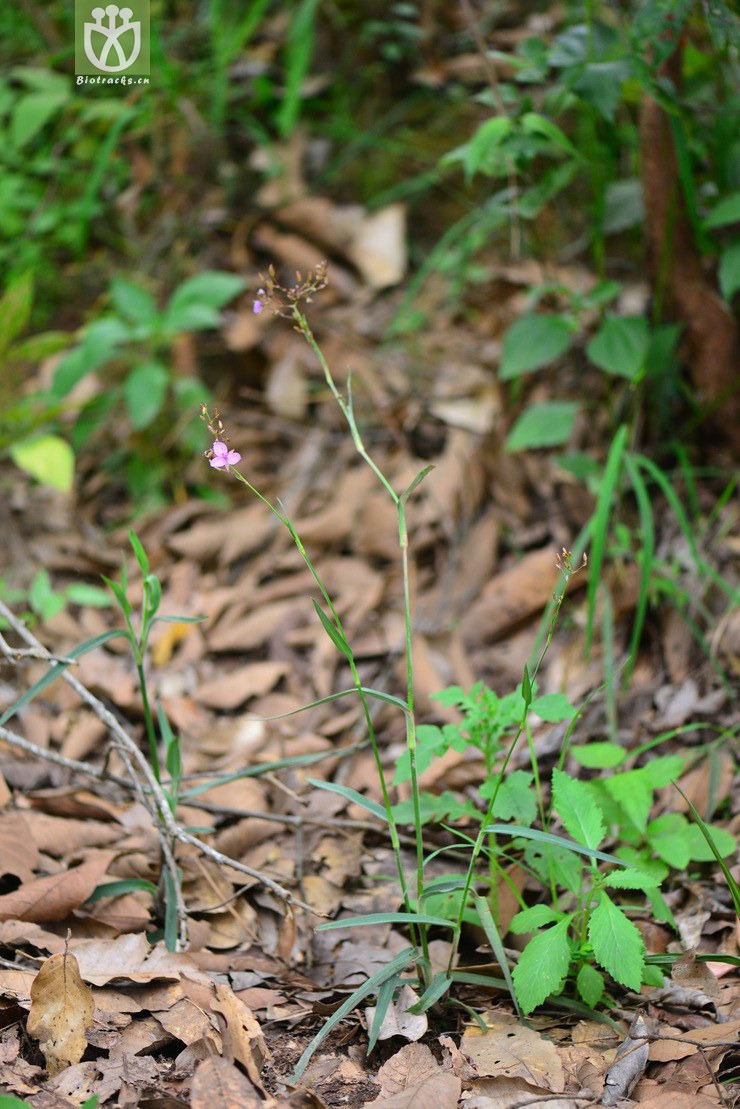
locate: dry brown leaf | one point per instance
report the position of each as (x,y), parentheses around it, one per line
(232,690)
(628,1066)
(130,957)
(242,1034)
(62,836)
(440,1090)
(510,1050)
(675,1099)
(408,1067)
(61,1010)
(218,1082)
(18,850)
(398,1021)
(55,897)
(513,1093)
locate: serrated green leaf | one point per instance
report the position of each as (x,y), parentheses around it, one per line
(528,920)
(631,880)
(621,345)
(549,424)
(631,790)
(590,984)
(617,943)
(578,809)
(47,458)
(532,342)
(542,967)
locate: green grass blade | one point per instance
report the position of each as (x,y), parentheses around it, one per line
(57,669)
(385,996)
(268,768)
(373,983)
(647,556)
(600,527)
(489,927)
(437,988)
(731,883)
(386,918)
(354,796)
(552,840)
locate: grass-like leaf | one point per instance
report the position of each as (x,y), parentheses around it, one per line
(373,983)
(353,795)
(492,934)
(599,526)
(386,918)
(731,883)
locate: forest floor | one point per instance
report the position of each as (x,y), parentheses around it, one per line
(225,1021)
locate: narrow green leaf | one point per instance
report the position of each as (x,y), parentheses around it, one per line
(729,270)
(15,309)
(578,809)
(382,1005)
(373,983)
(617,943)
(125,885)
(416,482)
(492,933)
(437,988)
(385,918)
(334,634)
(139,552)
(599,526)
(543,966)
(58,668)
(352,795)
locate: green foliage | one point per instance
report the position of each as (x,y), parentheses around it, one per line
(44,602)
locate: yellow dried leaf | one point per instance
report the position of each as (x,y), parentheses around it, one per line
(61,1010)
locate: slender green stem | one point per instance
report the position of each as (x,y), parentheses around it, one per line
(151,734)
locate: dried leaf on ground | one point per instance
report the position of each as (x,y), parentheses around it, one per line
(442,1090)
(242,1033)
(61,1010)
(53,898)
(408,1067)
(398,1021)
(218,1082)
(507,1048)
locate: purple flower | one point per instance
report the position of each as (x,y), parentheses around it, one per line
(223,458)
(257,307)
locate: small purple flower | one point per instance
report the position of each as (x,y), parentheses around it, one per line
(257,307)
(223,458)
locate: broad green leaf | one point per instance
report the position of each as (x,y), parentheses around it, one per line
(534,918)
(134,302)
(15,308)
(542,966)
(590,985)
(617,943)
(144,392)
(515,800)
(549,424)
(533,341)
(727,211)
(578,809)
(668,835)
(80,593)
(701,852)
(631,880)
(32,112)
(729,270)
(535,124)
(196,304)
(630,790)
(599,756)
(47,458)
(553,707)
(621,345)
